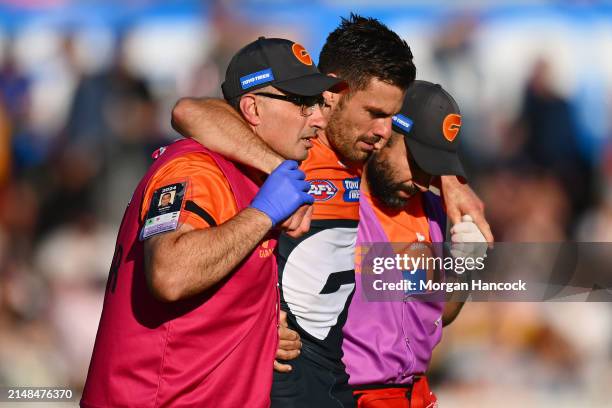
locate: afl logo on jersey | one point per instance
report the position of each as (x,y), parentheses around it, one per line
(301,54)
(322,190)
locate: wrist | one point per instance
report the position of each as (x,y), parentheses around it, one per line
(452,180)
(260,217)
(272,162)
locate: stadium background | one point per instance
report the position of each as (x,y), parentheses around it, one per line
(86,90)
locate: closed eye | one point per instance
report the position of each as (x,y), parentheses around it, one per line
(378,114)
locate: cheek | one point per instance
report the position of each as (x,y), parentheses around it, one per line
(399,162)
(289,124)
(354,129)
(361,124)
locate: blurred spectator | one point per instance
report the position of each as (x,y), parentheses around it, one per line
(78,279)
(455,64)
(551,139)
(111,131)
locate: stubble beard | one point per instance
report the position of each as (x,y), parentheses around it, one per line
(340,142)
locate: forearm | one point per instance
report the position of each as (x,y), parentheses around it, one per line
(183,264)
(217,126)
(461,200)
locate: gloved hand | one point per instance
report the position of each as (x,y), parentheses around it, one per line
(283,193)
(467,240)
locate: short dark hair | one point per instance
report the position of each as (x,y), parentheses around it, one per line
(363,48)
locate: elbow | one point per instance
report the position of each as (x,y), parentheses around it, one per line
(181,112)
(168,284)
(164,286)
(165,278)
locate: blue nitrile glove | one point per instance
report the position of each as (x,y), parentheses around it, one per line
(283,192)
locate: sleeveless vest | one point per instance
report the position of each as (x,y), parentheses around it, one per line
(388,342)
(215,349)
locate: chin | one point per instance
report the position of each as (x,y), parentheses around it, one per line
(301,156)
(355,157)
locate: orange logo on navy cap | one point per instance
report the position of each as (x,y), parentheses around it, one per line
(301,54)
(451,126)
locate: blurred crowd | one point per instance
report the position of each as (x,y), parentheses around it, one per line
(76,137)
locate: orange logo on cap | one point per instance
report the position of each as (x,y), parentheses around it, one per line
(301,54)
(451,126)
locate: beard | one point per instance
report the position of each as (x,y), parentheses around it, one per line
(338,132)
(383,188)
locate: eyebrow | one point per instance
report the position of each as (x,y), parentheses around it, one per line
(378,112)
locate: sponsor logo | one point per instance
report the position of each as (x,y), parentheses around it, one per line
(265,250)
(451,126)
(256,78)
(301,54)
(322,190)
(402,122)
(351,189)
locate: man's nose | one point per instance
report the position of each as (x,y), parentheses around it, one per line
(382,128)
(317,119)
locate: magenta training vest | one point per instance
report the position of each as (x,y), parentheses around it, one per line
(388,342)
(213,350)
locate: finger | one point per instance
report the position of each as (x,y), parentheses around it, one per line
(296,174)
(289,345)
(457,238)
(463,227)
(303,185)
(305,219)
(295,222)
(289,223)
(281,368)
(288,165)
(287,354)
(307,198)
(296,219)
(302,212)
(484,227)
(467,237)
(305,225)
(287,334)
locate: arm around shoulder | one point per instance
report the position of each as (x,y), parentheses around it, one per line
(220,128)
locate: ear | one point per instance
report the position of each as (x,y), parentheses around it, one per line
(339,88)
(332,96)
(248,108)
